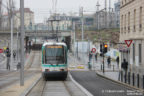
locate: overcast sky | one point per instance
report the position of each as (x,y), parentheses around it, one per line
(42,8)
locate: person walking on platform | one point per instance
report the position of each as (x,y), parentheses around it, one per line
(90,56)
(8,61)
(14,55)
(96,56)
(109,61)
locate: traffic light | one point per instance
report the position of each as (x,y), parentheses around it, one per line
(105,48)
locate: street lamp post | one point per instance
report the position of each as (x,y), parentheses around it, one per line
(74,39)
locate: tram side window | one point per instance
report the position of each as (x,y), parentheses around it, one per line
(65,57)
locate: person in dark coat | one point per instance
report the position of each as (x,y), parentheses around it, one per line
(109,61)
(96,56)
(124,65)
(117,60)
(8,61)
(90,56)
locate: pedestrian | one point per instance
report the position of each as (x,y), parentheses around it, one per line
(109,61)
(14,55)
(90,56)
(8,61)
(96,56)
(29,46)
(124,65)
(117,60)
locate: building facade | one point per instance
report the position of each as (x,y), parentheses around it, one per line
(105,19)
(64,22)
(28,18)
(132,28)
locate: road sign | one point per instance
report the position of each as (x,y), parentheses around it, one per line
(128,42)
(1,50)
(93,50)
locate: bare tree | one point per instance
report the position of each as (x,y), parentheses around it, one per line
(10,10)
(1,12)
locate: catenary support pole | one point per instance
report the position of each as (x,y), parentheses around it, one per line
(11,5)
(22,42)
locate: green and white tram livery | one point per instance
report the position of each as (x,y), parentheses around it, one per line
(54,60)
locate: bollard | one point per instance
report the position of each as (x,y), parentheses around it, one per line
(138,80)
(18,65)
(129,78)
(101,67)
(133,79)
(89,65)
(143,81)
(121,76)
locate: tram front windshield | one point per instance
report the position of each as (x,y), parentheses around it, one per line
(55,55)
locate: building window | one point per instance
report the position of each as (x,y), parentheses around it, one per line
(129,22)
(140,53)
(134,20)
(140,22)
(125,23)
(133,52)
(122,24)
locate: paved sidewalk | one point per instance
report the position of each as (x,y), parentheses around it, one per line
(83,59)
(97,65)
(112,72)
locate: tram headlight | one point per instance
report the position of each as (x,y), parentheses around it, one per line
(47,70)
(61,69)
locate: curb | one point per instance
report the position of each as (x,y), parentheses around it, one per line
(118,82)
(26,92)
(80,86)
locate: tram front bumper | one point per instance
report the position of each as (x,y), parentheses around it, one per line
(52,74)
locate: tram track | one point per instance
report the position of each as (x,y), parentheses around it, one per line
(56,88)
(50,88)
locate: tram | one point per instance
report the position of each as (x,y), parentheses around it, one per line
(54,60)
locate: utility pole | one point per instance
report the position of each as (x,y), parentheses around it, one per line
(11,12)
(98,5)
(74,40)
(18,45)
(22,42)
(82,29)
(82,20)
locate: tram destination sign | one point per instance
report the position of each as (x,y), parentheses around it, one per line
(54,46)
